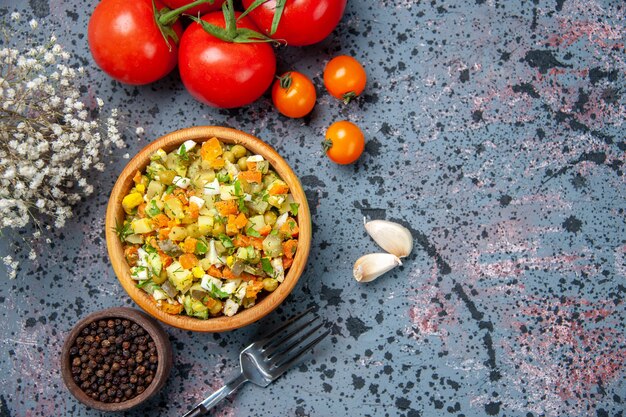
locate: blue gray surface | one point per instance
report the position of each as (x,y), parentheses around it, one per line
(494,131)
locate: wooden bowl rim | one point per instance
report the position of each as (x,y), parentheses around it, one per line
(160,338)
(115,213)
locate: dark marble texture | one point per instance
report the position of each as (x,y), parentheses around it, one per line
(495,132)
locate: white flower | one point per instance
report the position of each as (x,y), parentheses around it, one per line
(100,102)
(139,130)
(33,24)
(15,16)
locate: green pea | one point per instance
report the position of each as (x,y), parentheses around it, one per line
(243,163)
(228,155)
(239,151)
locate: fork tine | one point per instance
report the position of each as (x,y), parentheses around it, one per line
(291,357)
(277,342)
(267,338)
(280,349)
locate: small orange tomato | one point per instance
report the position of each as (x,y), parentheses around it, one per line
(293,94)
(344,142)
(344,78)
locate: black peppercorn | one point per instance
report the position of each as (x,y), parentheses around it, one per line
(113,360)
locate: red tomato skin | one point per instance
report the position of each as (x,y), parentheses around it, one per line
(223,74)
(201,9)
(126,43)
(303,22)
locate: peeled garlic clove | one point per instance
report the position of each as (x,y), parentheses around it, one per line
(369,267)
(392,237)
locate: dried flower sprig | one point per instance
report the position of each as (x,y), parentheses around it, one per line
(50,140)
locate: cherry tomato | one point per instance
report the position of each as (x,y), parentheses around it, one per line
(224,74)
(344,78)
(293,94)
(344,142)
(126,42)
(201,9)
(303,22)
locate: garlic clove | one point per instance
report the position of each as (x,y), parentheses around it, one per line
(392,237)
(369,267)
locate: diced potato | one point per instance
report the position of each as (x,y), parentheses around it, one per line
(276,200)
(227,192)
(155,188)
(178,233)
(141,226)
(286,206)
(134,239)
(180,278)
(256,222)
(174,208)
(205,224)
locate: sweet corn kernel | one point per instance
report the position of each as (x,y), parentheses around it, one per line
(230,261)
(141,188)
(131,201)
(197,272)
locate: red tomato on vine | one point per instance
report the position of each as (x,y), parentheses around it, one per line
(132,41)
(224,69)
(299,22)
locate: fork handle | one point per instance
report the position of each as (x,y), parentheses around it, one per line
(210,401)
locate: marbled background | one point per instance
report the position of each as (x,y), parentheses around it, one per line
(494,132)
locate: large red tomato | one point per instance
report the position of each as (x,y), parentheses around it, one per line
(303,22)
(224,74)
(201,9)
(126,42)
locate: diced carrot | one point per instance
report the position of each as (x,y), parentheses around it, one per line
(231,227)
(241,221)
(188,260)
(181,195)
(194,210)
(189,246)
(251,166)
(160,220)
(289,248)
(131,253)
(290,227)
(241,241)
(227,273)
(278,188)
(137,177)
(164,232)
(141,210)
(247,277)
(171,308)
(214,272)
(152,241)
(166,260)
(287,262)
(265,230)
(226,207)
(250,176)
(217,163)
(210,302)
(211,149)
(253,288)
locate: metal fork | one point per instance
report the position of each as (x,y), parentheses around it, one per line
(265,360)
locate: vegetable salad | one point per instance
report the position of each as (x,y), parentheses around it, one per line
(209,228)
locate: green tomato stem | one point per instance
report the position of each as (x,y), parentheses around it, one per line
(169,17)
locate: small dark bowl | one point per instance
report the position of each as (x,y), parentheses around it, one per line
(156,332)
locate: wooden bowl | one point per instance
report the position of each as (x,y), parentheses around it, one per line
(156,332)
(115,214)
